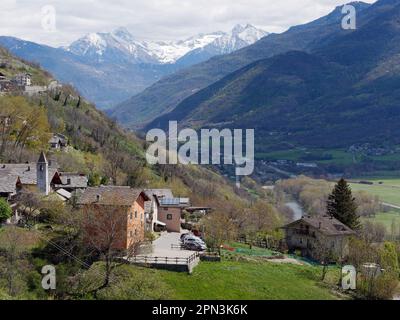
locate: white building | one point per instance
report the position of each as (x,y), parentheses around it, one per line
(23,79)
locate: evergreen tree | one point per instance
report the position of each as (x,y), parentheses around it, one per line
(342,205)
(5,210)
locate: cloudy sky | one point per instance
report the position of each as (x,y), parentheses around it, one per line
(151,19)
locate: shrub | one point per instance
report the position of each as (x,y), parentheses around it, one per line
(5,210)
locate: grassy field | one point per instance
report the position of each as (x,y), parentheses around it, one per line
(248,280)
(386,218)
(388,191)
(340,157)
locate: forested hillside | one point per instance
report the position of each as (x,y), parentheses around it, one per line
(167,93)
(340,95)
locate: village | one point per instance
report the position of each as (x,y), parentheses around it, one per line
(22,83)
(78,194)
(179,244)
(147,210)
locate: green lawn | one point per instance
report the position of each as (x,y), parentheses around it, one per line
(388,191)
(247,280)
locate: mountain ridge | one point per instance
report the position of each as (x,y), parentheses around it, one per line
(163,96)
(105,78)
(340,94)
(96,45)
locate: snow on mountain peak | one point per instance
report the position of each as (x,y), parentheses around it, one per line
(98,45)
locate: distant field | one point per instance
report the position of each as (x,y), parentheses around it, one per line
(315,155)
(388,191)
(386,218)
(247,280)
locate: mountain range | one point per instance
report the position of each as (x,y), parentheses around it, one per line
(108,68)
(163,96)
(341,89)
(121,45)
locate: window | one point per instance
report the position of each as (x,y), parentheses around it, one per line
(131,234)
(135,232)
(169,216)
(131,216)
(135,214)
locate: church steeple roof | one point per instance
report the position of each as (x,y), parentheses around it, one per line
(42,158)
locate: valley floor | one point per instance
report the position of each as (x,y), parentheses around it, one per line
(387,190)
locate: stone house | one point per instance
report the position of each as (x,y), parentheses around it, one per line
(58,141)
(318,237)
(124,201)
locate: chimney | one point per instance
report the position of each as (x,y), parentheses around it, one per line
(69,181)
(29,168)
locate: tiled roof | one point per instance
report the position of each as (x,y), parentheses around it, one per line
(8,184)
(58,138)
(26,172)
(110,195)
(326,224)
(160,193)
(75,180)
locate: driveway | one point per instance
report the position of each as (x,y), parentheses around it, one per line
(162,247)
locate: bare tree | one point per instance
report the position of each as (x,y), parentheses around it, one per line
(323,252)
(105,232)
(29,205)
(219,228)
(116,159)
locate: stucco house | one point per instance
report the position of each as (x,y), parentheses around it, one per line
(170,212)
(153,224)
(317,236)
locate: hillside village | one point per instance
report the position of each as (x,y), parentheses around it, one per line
(77,193)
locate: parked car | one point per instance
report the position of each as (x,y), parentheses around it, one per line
(195,246)
(195,241)
(193,238)
(184,235)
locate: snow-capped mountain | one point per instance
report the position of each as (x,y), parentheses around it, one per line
(109,68)
(120,45)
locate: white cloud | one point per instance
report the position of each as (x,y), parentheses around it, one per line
(154,19)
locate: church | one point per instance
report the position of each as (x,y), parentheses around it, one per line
(43,177)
